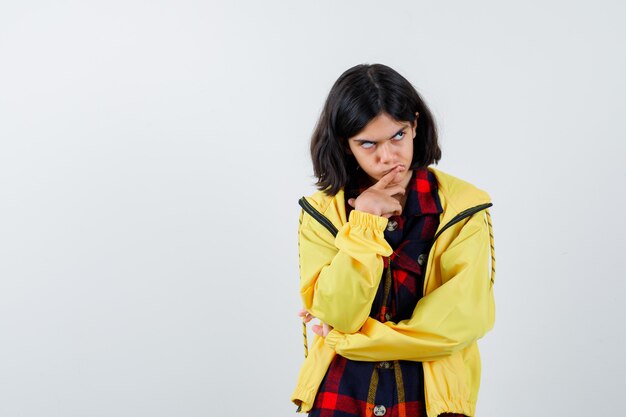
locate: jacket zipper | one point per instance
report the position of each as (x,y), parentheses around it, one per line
(462,215)
(323,220)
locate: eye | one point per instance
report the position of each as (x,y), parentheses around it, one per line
(399,136)
(367,145)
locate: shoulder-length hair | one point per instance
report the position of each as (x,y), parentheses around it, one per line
(359,95)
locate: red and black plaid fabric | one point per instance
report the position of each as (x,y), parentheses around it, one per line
(395,388)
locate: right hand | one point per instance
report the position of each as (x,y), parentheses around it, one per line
(380,198)
(306,316)
(321,329)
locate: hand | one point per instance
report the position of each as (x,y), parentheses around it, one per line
(319,329)
(382,198)
(322,329)
(306,316)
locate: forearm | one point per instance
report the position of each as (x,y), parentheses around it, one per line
(377,341)
(339,279)
(408,340)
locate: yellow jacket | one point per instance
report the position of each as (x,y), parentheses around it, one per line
(339,277)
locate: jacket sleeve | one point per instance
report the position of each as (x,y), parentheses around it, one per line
(339,276)
(446,320)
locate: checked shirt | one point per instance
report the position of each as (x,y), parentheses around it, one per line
(391,388)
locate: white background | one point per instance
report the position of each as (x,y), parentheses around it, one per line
(152,154)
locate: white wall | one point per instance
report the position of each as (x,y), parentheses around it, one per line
(151,158)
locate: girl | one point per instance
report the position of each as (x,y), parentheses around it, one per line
(396,260)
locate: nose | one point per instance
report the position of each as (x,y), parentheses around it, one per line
(385,153)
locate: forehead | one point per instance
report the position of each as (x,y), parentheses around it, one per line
(380,127)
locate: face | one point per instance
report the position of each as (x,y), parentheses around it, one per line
(382,145)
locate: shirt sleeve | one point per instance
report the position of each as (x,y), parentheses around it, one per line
(444,321)
(339,276)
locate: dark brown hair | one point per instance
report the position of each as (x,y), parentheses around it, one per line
(359,95)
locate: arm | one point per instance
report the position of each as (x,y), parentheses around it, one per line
(339,276)
(445,321)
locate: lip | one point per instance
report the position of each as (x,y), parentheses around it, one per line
(388,171)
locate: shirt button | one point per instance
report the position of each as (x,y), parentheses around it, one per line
(379,410)
(392,225)
(388,316)
(421,259)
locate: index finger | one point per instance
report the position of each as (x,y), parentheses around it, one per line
(387,178)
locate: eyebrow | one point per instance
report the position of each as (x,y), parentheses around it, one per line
(371,140)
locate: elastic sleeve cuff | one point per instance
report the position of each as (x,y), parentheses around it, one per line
(333,338)
(367,220)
